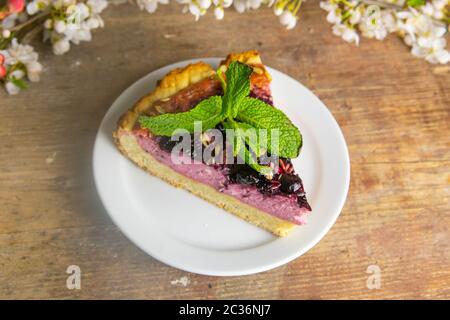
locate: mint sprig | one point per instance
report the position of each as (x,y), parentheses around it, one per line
(236,89)
(246,147)
(237,111)
(263,116)
(208,112)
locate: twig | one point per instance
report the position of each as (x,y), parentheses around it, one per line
(30,35)
(383,4)
(30,21)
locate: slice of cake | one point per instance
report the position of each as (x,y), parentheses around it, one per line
(237,96)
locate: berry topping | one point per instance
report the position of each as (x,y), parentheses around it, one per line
(243,174)
(291,183)
(166,143)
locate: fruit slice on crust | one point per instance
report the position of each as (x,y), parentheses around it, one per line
(226,187)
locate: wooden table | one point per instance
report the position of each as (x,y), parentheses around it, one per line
(394,110)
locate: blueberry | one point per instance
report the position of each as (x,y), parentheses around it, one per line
(302,202)
(243,174)
(291,183)
(196,148)
(269,187)
(166,143)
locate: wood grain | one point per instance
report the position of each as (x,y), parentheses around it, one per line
(394,111)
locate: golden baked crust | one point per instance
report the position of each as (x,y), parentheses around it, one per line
(251,58)
(176,80)
(173,82)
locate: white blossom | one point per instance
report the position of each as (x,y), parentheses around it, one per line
(254,4)
(288,20)
(204,4)
(48,24)
(59,26)
(10,84)
(32,8)
(35,6)
(333,16)
(423,34)
(61,46)
(11,88)
(240,5)
(97,6)
(434,51)
(219,13)
(34,70)
(419,26)
(278,11)
(10,21)
(17,74)
(372,24)
(389,21)
(150,5)
(75,24)
(244,5)
(435,8)
(6,33)
(21,61)
(341,27)
(347,33)
(18,53)
(225,3)
(195,7)
(412,22)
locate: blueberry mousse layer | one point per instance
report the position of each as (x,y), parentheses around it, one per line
(283,196)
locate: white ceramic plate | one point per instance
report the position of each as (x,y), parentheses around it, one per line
(188,233)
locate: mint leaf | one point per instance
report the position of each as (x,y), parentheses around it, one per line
(237,143)
(207,111)
(247,152)
(263,116)
(237,87)
(221,78)
(252,136)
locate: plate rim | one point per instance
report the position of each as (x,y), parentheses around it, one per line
(252,270)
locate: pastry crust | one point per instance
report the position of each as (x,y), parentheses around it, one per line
(176,80)
(173,82)
(251,58)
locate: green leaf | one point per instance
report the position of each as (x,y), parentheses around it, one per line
(237,87)
(415,3)
(263,116)
(247,152)
(207,111)
(229,124)
(253,137)
(221,78)
(20,83)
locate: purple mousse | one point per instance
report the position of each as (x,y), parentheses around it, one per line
(283,206)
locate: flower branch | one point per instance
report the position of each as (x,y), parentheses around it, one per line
(422,24)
